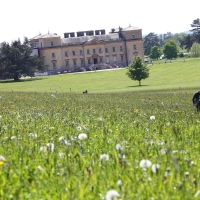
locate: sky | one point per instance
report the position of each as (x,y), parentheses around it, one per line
(28,18)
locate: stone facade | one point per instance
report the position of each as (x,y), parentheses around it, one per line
(90,50)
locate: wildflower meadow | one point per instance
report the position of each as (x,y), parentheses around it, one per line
(121,146)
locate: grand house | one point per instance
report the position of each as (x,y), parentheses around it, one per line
(89,50)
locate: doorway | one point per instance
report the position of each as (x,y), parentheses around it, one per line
(95,60)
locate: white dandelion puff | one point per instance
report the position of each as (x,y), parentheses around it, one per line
(111,194)
(152,117)
(155,168)
(50,147)
(82,136)
(40,168)
(32,135)
(145,163)
(43,148)
(119,183)
(163,151)
(2,158)
(13,138)
(104,157)
(61,154)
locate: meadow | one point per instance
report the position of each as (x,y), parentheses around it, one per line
(137,143)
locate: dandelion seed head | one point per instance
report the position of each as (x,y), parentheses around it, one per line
(152,117)
(2,158)
(104,157)
(112,194)
(50,147)
(155,168)
(119,183)
(82,136)
(145,163)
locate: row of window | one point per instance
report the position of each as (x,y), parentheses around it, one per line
(94,61)
(94,51)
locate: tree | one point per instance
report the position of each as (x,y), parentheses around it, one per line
(137,70)
(196,29)
(155,52)
(149,41)
(186,42)
(16,60)
(195,50)
(170,49)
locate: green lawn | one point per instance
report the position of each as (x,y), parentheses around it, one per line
(163,76)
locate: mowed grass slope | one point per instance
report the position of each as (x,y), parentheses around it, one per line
(163,76)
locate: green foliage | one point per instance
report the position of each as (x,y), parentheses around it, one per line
(155,52)
(137,70)
(149,41)
(16,60)
(170,49)
(195,50)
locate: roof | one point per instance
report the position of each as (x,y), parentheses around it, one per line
(48,35)
(84,39)
(129,28)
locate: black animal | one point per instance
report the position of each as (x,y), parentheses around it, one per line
(85,92)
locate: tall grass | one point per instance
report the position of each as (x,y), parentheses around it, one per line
(45,159)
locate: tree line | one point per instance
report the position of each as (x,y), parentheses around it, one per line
(168,44)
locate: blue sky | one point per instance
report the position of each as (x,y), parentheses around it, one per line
(28,18)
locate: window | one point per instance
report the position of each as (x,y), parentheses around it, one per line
(51,43)
(88,51)
(67,63)
(89,61)
(82,62)
(107,59)
(73,53)
(122,58)
(100,50)
(101,60)
(134,47)
(106,50)
(133,36)
(94,51)
(74,61)
(115,58)
(53,55)
(121,48)
(81,52)
(66,54)
(113,49)
(54,65)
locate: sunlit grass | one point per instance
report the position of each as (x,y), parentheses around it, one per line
(163,76)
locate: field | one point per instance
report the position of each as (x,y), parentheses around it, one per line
(163,76)
(129,144)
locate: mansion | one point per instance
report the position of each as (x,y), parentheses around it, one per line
(89,50)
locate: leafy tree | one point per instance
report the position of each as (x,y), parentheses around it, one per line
(16,60)
(137,70)
(155,52)
(170,49)
(196,29)
(149,41)
(195,50)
